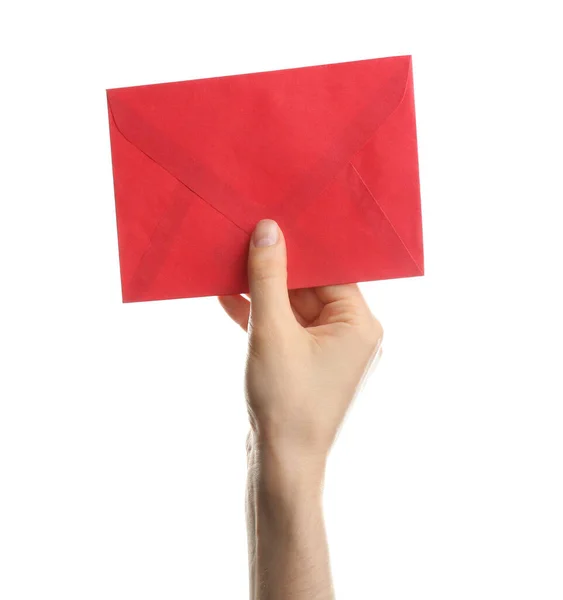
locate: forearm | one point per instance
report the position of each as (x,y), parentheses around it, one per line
(288,553)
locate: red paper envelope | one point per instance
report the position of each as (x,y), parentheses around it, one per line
(329,152)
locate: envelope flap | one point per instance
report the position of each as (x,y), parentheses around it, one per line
(388,167)
(250,144)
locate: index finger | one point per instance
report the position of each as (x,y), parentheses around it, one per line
(334,293)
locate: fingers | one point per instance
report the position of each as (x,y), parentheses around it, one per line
(335,293)
(306,304)
(238,308)
(346,304)
(346,299)
(267,275)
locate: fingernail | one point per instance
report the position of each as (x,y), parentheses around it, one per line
(265,234)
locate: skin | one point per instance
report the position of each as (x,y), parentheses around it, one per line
(308,352)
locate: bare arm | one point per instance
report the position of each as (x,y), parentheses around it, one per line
(288,551)
(308,351)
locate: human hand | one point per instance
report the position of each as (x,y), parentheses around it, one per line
(309,350)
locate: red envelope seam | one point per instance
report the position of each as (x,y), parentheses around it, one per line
(292,211)
(179,211)
(171,174)
(359,150)
(387,218)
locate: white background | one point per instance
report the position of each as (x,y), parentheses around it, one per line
(122,427)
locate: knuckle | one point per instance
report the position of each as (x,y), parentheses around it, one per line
(264,275)
(265,269)
(378,329)
(372,333)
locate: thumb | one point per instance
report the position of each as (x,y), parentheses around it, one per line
(267,276)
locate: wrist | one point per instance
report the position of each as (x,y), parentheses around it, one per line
(284,472)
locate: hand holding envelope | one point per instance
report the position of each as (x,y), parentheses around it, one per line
(329,152)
